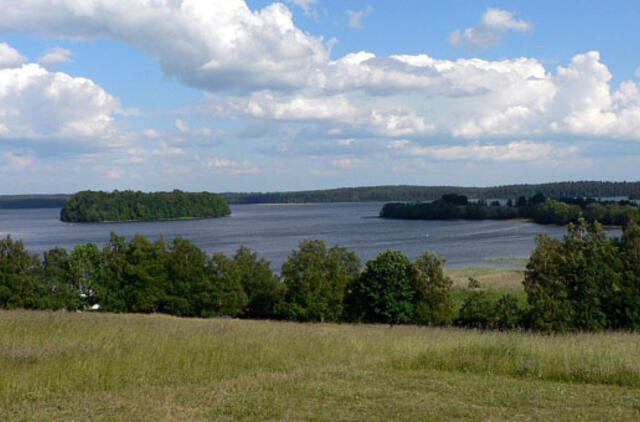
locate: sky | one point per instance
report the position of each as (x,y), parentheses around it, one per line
(256,95)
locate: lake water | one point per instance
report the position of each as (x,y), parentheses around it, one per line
(275,230)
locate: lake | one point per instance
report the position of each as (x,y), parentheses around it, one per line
(275,230)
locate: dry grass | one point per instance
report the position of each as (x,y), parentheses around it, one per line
(503,280)
(69,366)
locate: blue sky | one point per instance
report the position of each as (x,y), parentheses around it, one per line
(257,96)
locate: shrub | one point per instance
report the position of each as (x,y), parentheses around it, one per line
(507,314)
(477,310)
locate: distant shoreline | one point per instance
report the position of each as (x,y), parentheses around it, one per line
(145,221)
(380,193)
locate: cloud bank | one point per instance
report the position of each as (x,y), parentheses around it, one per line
(273,70)
(258,68)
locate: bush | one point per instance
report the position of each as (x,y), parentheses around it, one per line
(507,314)
(477,310)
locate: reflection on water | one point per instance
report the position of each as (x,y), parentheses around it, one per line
(274,230)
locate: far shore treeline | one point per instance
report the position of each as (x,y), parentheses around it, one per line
(581,189)
(537,208)
(92,207)
(586,281)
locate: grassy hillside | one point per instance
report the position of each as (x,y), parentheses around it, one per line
(70,366)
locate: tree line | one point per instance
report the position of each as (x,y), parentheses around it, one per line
(384,194)
(430,193)
(537,208)
(91,207)
(585,281)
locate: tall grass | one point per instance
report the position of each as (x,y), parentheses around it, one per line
(52,353)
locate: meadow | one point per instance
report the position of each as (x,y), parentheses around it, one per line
(94,366)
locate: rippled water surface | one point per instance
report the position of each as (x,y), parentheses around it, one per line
(274,230)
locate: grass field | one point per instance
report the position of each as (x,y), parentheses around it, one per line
(106,367)
(495,279)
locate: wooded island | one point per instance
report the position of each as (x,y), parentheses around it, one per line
(93,207)
(537,208)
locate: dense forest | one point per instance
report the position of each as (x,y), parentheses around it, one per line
(32,201)
(586,281)
(538,208)
(429,193)
(90,206)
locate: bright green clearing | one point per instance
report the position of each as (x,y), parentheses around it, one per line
(106,367)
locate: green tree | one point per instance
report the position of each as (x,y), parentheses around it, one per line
(624,311)
(145,275)
(113,278)
(477,311)
(19,275)
(226,293)
(386,290)
(315,279)
(547,294)
(262,287)
(57,281)
(507,314)
(433,301)
(189,292)
(85,265)
(574,283)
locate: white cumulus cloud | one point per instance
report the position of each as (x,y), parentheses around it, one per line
(418,95)
(38,104)
(10,57)
(213,45)
(54,57)
(259,68)
(492,27)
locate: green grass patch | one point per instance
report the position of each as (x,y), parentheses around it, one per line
(509,260)
(83,366)
(496,279)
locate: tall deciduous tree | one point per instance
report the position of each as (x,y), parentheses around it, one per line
(386,290)
(19,275)
(315,279)
(262,287)
(433,302)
